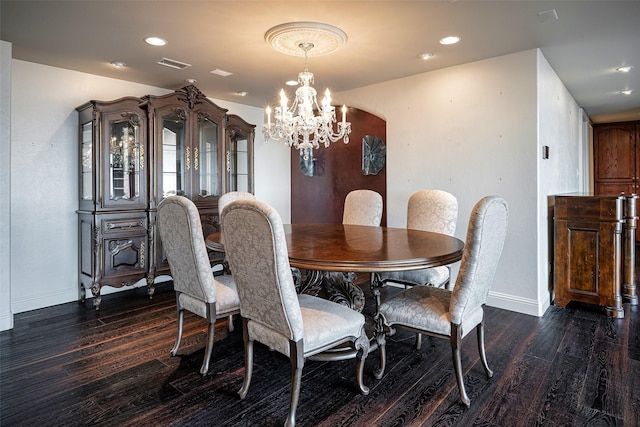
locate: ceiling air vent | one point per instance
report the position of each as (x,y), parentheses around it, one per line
(173,63)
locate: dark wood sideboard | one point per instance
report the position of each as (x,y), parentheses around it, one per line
(594,250)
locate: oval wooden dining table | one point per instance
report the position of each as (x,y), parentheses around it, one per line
(331,254)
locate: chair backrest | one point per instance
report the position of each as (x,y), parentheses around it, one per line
(433,210)
(181,235)
(485,239)
(256,249)
(362,207)
(229,197)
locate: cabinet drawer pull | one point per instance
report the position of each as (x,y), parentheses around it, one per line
(123,225)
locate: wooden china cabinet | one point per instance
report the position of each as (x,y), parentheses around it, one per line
(134,153)
(188,144)
(112,215)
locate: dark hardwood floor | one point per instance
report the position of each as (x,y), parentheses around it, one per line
(68,365)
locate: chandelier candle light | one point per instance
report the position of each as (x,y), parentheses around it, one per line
(306,131)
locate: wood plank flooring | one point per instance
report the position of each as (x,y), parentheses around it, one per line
(69,365)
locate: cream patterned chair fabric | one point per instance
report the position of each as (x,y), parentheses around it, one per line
(223,201)
(428,210)
(298,326)
(453,314)
(196,289)
(362,207)
(231,196)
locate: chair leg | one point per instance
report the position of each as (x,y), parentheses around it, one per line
(211,320)
(456,341)
(231,323)
(248,360)
(418,340)
(296,354)
(180,310)
(483,356)
(364,390)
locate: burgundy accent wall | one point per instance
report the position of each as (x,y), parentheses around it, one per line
(337,171)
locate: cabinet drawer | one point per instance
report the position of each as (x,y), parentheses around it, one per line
(119,223)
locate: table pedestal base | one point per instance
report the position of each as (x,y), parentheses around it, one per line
(334,286)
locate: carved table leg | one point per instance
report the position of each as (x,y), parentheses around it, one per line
(375,283)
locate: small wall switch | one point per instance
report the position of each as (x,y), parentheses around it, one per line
(545,151)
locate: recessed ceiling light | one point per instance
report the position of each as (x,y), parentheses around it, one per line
(192,81)
(625,69)
(118,64)
(243,93)
(291,83)
(626,92)
(155,41)
(450,40)
(220,72)
(425,55)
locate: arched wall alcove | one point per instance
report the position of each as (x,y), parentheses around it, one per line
(337,170)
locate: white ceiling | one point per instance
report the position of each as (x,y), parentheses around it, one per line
(584,46)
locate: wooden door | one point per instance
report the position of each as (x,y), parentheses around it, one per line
(616,158)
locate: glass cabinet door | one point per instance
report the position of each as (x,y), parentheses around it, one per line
(175,156)
(86,166)
(122,159)
(238,165)
(239,154)
(205,159)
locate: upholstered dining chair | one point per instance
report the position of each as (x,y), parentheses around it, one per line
(452,314)
(229,197)
(223,201)
(362,207)
(298,326)
(427,210)
(196,288)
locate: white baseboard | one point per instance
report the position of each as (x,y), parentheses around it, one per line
(33,302)
(517,304)
(6,321)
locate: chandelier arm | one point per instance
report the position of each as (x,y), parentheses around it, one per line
(299,126)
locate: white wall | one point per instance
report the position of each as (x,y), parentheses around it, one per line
(472,130)
(559,127)
(6,315)
(44,176)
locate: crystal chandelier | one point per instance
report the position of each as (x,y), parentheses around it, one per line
(306,130)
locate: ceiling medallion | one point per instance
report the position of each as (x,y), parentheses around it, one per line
(287,38)
(298,126)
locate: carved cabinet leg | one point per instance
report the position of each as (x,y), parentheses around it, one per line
(151,287)
(97,298)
